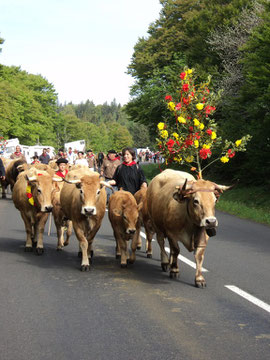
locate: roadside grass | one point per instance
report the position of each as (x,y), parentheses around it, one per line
(246,202)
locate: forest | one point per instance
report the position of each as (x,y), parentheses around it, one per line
(226,39)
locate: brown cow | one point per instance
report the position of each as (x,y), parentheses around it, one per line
(61,223)
(145,220)
(32,196)
(83,200)
(124,216)
(183,209)
(12,168)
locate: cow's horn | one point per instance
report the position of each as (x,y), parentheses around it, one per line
(107,185)
(58,179)
(75,181)
(31,178)
(223,187)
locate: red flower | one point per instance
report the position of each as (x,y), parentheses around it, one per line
(191,128)
(183,75)
(168,98)
(170,143)
(197,136)
(189,141)
(209,131)
(230,153)
(192,93)
(204,153)
(209,109)
(185,101)
(185,87)
(178,106)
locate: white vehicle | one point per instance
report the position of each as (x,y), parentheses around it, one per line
(76,145)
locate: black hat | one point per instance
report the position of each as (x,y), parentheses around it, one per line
(112,152)
(89,150)
(61,161)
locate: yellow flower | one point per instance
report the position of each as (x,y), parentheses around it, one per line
(189,71)
(224,159)
(189,158)
(238,142)
(175,135)
(181,120)
(178,159)
(171,106)
(201,126)
(196,122)
(206,146)
(196,143)
(164,134)
(161,126)
(199,106)
(213,135)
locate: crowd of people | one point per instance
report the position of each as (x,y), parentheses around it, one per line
(120,170)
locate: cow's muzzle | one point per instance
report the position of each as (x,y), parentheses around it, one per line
(48,209)
(209,223)
(131,231)
(89,211)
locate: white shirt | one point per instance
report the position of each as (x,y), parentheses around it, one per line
(81,162)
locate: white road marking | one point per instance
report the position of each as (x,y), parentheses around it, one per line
(180,257)
(249,297)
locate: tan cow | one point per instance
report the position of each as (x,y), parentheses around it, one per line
(124,215)
(145,220)
(83,200)
(183,210)
(32,196)
(61,223)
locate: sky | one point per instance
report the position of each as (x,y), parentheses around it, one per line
(82,47)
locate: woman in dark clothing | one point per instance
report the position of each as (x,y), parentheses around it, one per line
(128,175)
(2,170)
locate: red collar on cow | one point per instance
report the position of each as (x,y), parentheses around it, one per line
(30,195)
(129,164)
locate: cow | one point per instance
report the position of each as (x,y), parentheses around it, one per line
(12,168)
(183,210)
(124,216)
(83,201)
(144,219)
(61,223)
(32,196)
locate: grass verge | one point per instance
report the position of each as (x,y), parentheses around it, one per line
(251,202)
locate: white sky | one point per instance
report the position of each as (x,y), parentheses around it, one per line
(82,47)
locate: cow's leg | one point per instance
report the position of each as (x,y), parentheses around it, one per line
(136,240)
(3,185)
(149,237)
(40,232)
(163,254)
(121,248)
(69,232)
(60,237)
(83,244)
(117,246)
(199,257)
(134,247)
(28,229)
(174,252)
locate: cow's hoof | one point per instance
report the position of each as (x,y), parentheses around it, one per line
(66,243)
(59,249)
(174,275)
(85,268)
(4,197)
(28,249)
(129,261)
(200,284)
(123,266)
(117,256)
(139,247)
(79,254)
(91,253)
(34,244)
(164,267)
(149,256)
(39,251)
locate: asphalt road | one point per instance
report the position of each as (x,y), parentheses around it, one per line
(49,309)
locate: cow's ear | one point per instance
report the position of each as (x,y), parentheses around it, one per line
(139,207)
(178,196)
(117,212)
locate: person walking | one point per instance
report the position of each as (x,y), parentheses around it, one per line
(44,157)
(109,165)
(81,160)
(129,176)
(62,167)
(91,159)
(17,154)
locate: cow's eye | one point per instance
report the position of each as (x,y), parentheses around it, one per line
(98,192)
(81,192)
(39,191)
(196,202)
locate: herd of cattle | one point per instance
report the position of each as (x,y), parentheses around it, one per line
(174,206)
